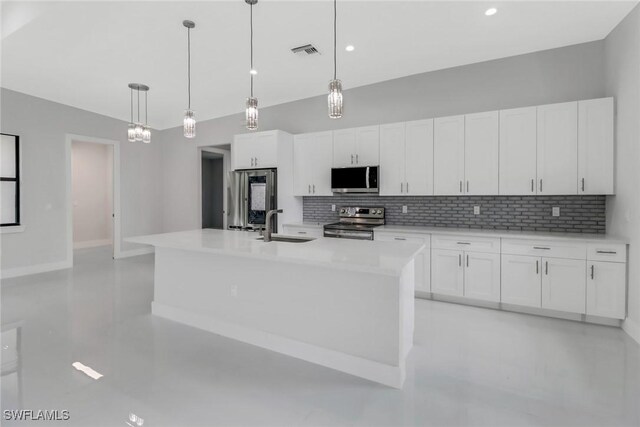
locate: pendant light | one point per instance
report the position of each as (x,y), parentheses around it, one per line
(335,85)
(251,112)
(136,130)
(146,130)
(189,123)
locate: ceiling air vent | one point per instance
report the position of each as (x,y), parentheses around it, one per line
(309,49)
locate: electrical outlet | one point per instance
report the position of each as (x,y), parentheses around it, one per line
(555,211)
(476,210)
(404,209)
(333,208)
(234,290)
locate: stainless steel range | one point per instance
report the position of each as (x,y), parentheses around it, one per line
(355,223)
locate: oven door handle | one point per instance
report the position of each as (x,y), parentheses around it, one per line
(344,234)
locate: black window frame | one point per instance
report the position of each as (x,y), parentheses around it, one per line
(16,180)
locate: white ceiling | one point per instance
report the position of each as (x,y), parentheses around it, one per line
(85,53)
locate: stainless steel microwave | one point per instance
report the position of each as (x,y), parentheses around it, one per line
(361,179)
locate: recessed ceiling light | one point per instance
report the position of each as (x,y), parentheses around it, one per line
(349,48)
(491,11)
(253,71)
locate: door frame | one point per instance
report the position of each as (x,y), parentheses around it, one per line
(116,223)
(226,167)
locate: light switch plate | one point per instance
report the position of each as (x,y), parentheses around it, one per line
(476,210)
(555,211)
(333,208)
(404,209)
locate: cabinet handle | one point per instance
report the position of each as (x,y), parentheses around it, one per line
(314,188)
(309,191)
(541,247)
(352,159)
(460,260)
(461,186)
(302,232)
(537,269)
(583,184)
(467,186)
(541,185)
(532,185)
(592,268)
(607,252)
(401,188)
(546,268)
(357,162)
(467,260)
(252,162)
(463,243)
(407,187)
(399,238)
(256,161)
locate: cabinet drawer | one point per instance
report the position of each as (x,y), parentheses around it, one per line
(607,252)
(555,249)
(414,238)
(469,244)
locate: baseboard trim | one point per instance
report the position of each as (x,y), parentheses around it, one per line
(35,269)
(632,329)
(392,376)
(135,252)
(91,244)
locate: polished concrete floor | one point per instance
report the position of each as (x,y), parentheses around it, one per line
(469,366)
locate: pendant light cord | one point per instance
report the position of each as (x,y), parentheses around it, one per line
(251,24)
(189,64)
(131,97)
(138,105)
(146,113)
(335,18)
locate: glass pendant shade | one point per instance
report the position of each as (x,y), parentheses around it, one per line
(138,131)
(189,124)
(335,99)
(146,134)
(131,132)
(252,113)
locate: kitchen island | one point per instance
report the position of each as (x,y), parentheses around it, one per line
(343,304)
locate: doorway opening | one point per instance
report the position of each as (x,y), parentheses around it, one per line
(93,196)
(213,187)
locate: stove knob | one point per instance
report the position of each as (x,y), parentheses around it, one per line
(342,211)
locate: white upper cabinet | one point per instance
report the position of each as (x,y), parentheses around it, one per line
(406,158)
(344,148)
(448,155)
(595,146)
(255,150)
(313,157)
(481,153)
(392,159)
(356,147)
(368,146)
(557,154)
(419,157)
(517,167)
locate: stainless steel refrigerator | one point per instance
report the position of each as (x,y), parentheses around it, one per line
(252,193)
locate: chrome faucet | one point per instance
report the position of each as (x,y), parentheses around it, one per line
(267,229)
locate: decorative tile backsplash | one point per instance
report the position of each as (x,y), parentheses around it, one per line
(578,214)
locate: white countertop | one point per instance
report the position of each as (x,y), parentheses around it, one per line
(387,258)
(514,234)
(305,224)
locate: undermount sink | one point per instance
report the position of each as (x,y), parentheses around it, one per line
(289,239)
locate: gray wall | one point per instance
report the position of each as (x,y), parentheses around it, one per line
(565,74)
(212,193)
(578,214)
(622,58)
(42,126)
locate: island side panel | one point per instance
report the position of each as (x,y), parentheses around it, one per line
(352,313)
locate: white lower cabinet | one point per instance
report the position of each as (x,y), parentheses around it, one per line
(482,276)
(563,284)
(447,273)
(521,280)
(606,289)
